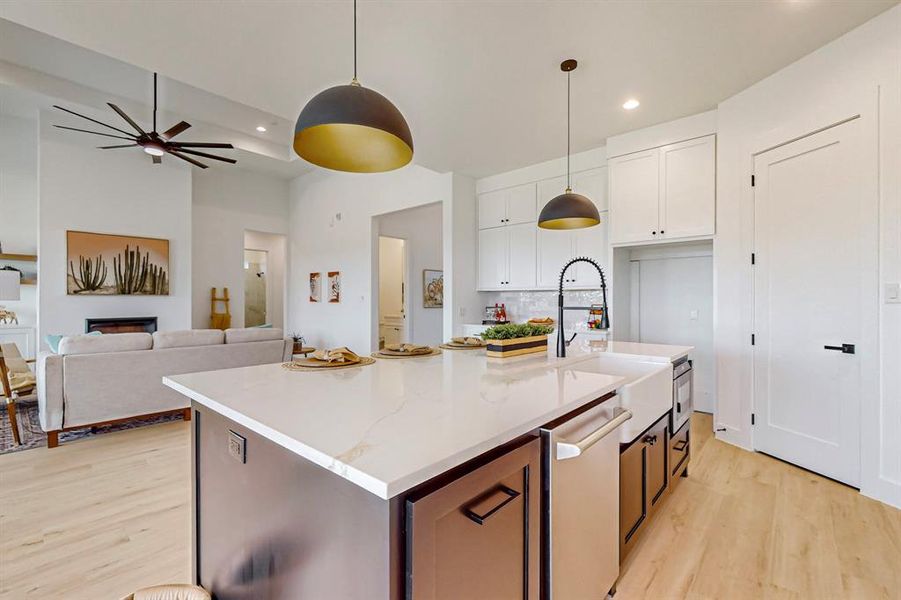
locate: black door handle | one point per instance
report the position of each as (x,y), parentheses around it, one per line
(509,493)
(844,348)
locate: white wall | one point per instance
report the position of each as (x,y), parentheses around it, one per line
(808,94)
(19,204)
(462,303)
(421,228)
(276,247)
(226,202)
(332,229)
(118,192)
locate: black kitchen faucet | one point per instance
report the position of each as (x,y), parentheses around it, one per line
(605,318)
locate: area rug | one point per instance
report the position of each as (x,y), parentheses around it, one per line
(34,437)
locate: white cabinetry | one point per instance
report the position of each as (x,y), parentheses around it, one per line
(510,206)
(664,193)
(507,257)
(557,247)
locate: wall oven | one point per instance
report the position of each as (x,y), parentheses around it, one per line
(683,404)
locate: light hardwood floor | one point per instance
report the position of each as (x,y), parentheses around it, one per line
(100,518)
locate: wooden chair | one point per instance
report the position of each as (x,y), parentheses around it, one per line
(18,383)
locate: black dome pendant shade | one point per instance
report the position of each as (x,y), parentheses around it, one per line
(568,210)
(352,128)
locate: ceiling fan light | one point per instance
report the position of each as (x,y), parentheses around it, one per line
(569,211)
(154,149)
(355,129)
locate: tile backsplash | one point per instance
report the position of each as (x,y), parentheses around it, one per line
(521,306)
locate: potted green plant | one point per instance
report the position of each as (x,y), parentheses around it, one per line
(516,339)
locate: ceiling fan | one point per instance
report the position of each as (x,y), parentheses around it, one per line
(153,143)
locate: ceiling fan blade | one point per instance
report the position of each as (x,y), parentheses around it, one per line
(157,160)
(199,145)
(175,130)
(118,137)
(127,118)
(205,155)
(189,159)
(119,146)
(93,120)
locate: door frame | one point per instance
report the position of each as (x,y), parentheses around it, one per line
(406,274)
(863,105)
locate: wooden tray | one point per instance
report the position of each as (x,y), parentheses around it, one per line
(402,355)
(309,364)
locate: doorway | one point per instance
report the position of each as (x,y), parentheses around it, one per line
(815,268)
(256,288)
(393,322)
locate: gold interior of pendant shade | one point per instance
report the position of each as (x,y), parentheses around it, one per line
(570,223)
(353,148)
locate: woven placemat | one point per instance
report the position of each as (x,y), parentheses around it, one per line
(453,346)
(433,352)
(306,364)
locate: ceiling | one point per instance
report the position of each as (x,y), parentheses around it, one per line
(479,82)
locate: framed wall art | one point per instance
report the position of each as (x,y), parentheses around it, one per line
(334,286)
(101,264)
(432,288)
(315,287)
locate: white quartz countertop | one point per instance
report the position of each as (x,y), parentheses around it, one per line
(641,351)
(395,424)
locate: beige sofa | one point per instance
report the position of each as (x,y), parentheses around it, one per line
(107,378)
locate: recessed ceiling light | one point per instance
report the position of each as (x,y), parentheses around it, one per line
(631,104)
(261,129)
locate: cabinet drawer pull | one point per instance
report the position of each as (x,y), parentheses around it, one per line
(680,445)
(510,494)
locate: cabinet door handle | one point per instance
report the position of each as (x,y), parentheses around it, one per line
(653,233)
(680,445)
(661,231)
(510,494)
(650,440)
(567,450)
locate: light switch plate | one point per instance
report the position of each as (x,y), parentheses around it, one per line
(893,293)
(237,446)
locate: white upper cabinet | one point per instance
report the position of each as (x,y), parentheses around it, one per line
(492,209)
(510,206)
(521,256)
(634,196)
(521,207)
(555,248)
(507,257)
(593,243)
(493,250)
(688,186)
(665,193)
(593,184)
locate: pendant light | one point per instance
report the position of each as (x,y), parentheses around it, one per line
(352,128)
(568,210)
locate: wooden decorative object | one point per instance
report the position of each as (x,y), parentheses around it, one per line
(516,346)
(219,320)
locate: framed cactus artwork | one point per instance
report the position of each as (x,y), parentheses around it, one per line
(101,264)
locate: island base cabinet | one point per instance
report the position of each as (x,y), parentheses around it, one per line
(478,535)
(270,525)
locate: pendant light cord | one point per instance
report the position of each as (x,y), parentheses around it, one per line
(355,40)
(568,188)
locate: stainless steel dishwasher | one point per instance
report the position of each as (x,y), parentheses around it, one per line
(580,493)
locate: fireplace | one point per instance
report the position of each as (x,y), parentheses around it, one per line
(121,325)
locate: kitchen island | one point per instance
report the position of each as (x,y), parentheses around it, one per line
(306,483)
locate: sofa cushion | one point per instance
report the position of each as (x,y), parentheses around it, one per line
(53,340)
(252,334)
(187,338)
(113,342)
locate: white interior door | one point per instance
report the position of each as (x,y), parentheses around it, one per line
(814,287)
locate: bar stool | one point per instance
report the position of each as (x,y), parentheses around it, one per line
(177,591)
